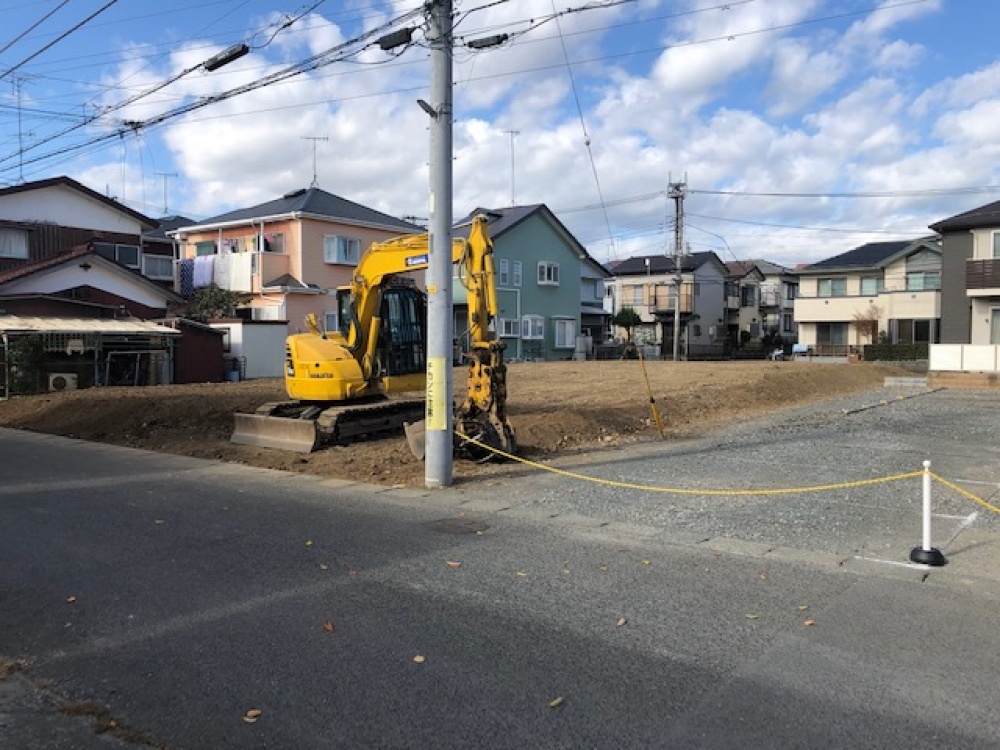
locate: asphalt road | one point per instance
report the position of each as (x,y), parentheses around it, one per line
(166,597)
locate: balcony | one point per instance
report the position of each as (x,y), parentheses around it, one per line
(663,301)
(982,276)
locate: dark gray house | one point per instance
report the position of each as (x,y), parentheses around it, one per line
(970,276)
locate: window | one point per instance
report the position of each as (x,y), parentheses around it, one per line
(996,245)
(831,288)
(157,266)
(565,334)
(508,272)
(548,273)
(831,333)
(337,249)
(509,328)
(127,255)
(204,248)
(13,243)
(786,323)
(632,294)
(870,286)
(748,296)
(918,281)
(331,321)
(533,327)
(274,243)
(790,290)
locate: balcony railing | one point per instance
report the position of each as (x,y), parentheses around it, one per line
(982,274)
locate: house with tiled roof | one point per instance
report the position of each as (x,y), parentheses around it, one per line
(288,255)
(550,291)
(649,285)
(44,219)
(970,276)
(889,290)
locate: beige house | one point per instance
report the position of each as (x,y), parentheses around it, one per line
(288,254)
(896,285)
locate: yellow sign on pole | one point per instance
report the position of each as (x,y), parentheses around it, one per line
(437,401)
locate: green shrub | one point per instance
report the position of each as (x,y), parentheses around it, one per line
(895,352)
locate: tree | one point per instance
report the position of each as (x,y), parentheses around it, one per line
(213,302)
(628,319)
(866,322)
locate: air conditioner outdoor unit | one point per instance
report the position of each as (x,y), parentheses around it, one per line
(62,381)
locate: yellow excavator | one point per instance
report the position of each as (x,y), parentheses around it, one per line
(350,382)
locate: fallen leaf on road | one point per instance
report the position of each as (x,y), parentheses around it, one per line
(328,626)
(419,659)
(762,577)
(252,715)
(309,542)
(159,520)
(752,616)
(621,621)
(454,564)
(803,606)
(322,567)
(647,562)
(555,702)
(604,568)
(521,573)
(808,623)
(70,599)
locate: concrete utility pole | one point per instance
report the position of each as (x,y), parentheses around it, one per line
(438,461)
(676,191)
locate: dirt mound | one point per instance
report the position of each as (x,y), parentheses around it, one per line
(555,407)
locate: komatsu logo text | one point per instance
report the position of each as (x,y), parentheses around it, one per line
(416,260)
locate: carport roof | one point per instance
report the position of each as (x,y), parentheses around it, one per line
(29,324)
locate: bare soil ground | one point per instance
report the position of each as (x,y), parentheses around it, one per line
(555,408)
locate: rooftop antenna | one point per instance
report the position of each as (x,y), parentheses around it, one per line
(314,138)
(165,175)
(512,133)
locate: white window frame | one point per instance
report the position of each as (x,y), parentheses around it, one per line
(503,274)
(510,328)
(14,243)
(870,293)
(561,325)
(532,328)
(331,321)
(339,249)
(515,273)
(995,250)
(164,261)
(548,273)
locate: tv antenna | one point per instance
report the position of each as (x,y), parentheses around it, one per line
(314,138)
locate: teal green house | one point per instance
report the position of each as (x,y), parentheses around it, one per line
(549,290)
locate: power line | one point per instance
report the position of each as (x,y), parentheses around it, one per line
(31,28)
(59,38)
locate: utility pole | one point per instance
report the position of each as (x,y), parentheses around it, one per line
(677,191)
(438,461)
(165,175)
(314,138)
(512,133)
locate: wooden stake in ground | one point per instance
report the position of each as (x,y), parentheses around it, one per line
(649,390)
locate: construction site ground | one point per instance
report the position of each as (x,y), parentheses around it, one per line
(556,408)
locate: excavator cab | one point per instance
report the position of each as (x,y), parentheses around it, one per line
(401,347)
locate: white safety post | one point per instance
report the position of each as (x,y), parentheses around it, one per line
(926,554)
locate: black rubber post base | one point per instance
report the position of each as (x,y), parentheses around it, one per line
(932,556)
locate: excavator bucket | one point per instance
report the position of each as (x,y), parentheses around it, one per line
(415,438)
(285,434)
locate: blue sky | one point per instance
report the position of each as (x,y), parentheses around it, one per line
(803,128)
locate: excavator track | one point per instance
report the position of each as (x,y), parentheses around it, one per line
(304,427)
